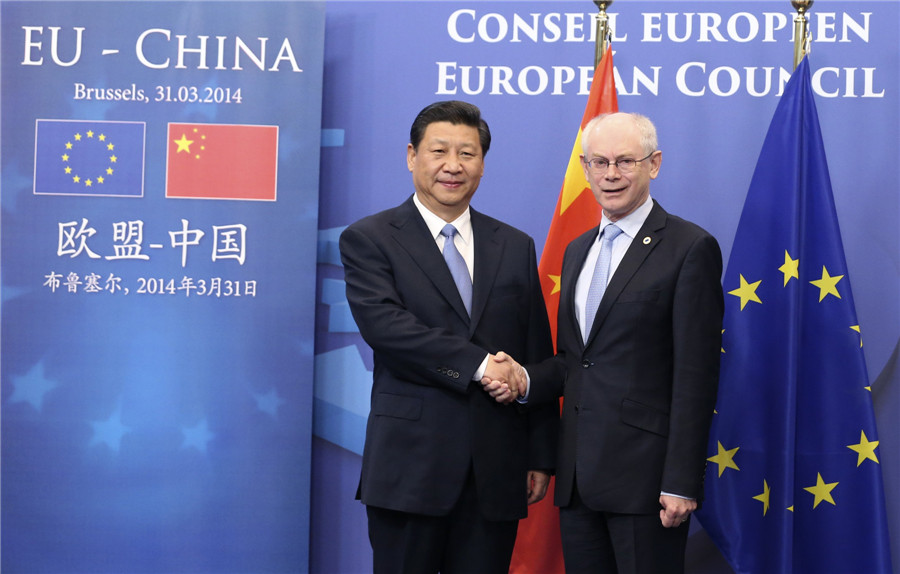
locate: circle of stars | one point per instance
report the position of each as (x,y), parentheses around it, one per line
(80,142)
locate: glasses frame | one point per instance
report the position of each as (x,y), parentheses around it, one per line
(590,163)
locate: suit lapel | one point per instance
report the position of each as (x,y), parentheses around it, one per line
(650,234)
(578,251)
(488,252)
(412,235)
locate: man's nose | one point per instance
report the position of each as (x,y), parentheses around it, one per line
(612,171)
(452,163)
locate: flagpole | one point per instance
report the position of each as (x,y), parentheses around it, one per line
(602,40)
(801,30)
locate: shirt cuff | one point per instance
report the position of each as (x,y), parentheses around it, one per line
(676,495)
(524,399)
(479,374)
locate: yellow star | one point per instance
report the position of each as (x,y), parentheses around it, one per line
(555,279)
(78,137)
(827,284)
(764,497)
(76,179)
(821,491)
(90,134)
(856,328)
(865,449)
(747,292)
(68,169)
(109,171)
(184,144)
(724,458)
(65,157)
(574,183)
(113,159)
(88,183)
(110,146)
(68,145)
(100,179)
(102,137)
(791,268)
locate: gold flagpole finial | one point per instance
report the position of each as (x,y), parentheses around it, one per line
(602,40)
(801,30)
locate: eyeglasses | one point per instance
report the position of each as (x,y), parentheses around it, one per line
(599,165)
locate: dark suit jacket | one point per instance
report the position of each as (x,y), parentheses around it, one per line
(429,423)
(640,394)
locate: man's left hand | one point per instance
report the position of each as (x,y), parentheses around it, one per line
(675,510)
(537,485)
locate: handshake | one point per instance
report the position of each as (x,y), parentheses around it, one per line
(504,379)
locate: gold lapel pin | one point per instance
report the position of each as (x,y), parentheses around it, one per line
(647,241)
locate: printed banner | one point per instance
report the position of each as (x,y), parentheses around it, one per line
(216,161)
(159,208)
(89,158)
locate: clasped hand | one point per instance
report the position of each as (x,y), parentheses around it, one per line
(504,379)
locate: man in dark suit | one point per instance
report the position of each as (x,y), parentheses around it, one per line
(447,472)
(638,364)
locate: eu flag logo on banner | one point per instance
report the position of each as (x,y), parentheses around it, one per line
(794,480)
(219,161)
(96,158)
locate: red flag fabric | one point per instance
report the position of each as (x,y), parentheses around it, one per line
(538,547)
(222,161)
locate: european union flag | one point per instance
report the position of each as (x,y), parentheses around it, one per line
(794,479)
(94,158)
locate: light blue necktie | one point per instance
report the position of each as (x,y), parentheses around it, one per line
(600,278)
(457,266)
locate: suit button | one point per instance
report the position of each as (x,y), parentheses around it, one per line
(586,364)
(455,375)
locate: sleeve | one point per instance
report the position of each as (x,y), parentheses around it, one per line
(697,335)
(410,348)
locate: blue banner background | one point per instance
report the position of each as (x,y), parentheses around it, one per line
(147,427)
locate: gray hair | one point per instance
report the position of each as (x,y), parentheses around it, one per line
(645,127)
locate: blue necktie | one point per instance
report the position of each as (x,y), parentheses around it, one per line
(457,266)
(600,278)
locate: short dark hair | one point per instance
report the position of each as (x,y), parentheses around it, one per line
(456,112)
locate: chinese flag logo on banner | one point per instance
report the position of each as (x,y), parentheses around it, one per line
(221,161)
(538,547)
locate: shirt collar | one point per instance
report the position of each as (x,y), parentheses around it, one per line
(463,223)
(631,223)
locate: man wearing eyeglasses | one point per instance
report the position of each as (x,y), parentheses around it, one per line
(639,339)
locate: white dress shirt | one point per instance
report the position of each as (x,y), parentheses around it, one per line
(464,240)
(630,225)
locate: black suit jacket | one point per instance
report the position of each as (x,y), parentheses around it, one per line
(639,395)
(429,423)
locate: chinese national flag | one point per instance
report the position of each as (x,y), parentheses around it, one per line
(221,161)
(538,548)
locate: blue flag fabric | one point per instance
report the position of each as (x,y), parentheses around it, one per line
(794,479)
(96,158)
